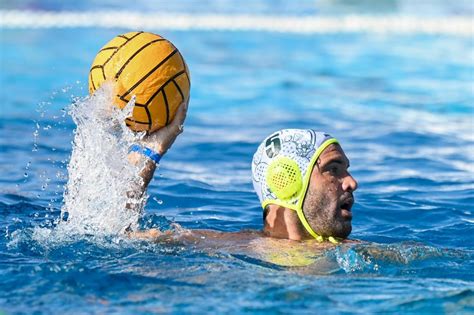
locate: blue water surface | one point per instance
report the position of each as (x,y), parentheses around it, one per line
(401,106)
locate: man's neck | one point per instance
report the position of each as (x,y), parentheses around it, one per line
(282,222)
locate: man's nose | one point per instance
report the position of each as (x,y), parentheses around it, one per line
(349,183)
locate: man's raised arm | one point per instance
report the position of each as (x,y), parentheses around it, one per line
(150,149)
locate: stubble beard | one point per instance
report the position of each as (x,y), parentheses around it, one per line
(324,216)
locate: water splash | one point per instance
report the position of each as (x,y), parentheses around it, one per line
(100,176)
(369,258)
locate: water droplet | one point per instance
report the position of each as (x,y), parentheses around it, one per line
(25,175)
(158,201)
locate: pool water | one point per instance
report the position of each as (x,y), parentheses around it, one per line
(402,106)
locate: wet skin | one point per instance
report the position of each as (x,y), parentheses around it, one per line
(329,199)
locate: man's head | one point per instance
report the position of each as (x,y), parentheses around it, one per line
(305,171)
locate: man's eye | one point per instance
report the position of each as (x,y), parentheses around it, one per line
(334,170)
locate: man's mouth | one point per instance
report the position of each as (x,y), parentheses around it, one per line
(346,205)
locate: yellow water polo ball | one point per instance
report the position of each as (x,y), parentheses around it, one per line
(151,68)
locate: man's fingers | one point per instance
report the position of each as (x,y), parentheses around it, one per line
(180,115)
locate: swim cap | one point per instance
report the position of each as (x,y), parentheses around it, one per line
(282,166)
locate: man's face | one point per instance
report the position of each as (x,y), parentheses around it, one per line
(328,201)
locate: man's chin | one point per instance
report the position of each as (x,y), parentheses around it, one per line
(344,231)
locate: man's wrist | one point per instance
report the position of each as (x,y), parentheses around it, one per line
(153,144)
(158,148)
(146,151)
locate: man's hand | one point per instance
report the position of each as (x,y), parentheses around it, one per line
(162,139)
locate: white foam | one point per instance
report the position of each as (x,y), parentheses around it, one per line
(100,175)
(447,25)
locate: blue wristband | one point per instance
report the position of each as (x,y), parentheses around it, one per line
(152,155)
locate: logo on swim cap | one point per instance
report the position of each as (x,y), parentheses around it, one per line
(273,145)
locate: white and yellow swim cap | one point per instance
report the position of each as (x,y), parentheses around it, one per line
(282,166)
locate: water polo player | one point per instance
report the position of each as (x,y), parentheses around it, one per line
(302,181)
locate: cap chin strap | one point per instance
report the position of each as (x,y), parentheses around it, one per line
(308,228)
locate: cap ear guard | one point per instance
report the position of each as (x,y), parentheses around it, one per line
(284,178)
